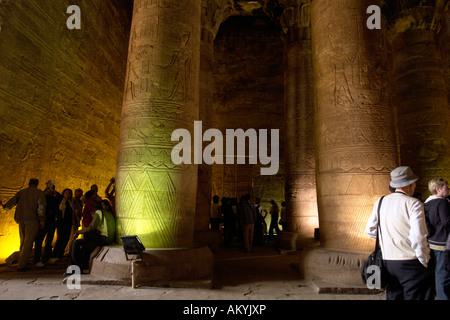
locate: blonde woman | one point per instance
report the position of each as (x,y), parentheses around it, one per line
(437,212)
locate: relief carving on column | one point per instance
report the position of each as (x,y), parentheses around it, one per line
(419,87)
(296,18)
(300,181)
(213,13)
(155,198)
(355,137)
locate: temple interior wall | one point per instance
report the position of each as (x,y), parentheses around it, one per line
(60,97)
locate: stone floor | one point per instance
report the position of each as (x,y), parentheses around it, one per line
(266,273)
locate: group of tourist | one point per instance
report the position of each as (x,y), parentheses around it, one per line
(40,213)
(246,220)
(414,235)
(414,238)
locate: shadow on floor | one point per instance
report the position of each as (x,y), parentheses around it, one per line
(233,267)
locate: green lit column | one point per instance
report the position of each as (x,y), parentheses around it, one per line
(155,198)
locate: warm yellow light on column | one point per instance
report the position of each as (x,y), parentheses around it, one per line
(155,199)
(354,128)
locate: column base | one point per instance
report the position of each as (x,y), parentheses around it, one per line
(210,238)
(294,241)
(169,267)
(337,267)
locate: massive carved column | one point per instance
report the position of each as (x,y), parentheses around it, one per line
(355,141)
(445,47)
(420,92)
(205,115)
(213,13)
(301,199)
(156,198)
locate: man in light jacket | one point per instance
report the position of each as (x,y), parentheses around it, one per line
(403,239)
(30,215)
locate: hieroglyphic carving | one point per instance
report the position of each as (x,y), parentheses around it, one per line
(420,91)
(355,137)
(60,97)
(296,14)
(155,198)
(301,202)
(212,16)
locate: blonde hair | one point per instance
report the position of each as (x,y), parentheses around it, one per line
(436,184)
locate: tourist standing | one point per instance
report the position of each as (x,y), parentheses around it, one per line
(403,239)
(247,215)
(274,219)
(52,217)
(437,212)
(30,216)
(215,214)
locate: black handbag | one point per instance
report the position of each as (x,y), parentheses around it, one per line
(375,259)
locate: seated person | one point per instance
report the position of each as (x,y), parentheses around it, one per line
(100,232)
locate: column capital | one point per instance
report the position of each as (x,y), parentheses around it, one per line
(293,16)
(402,16)
(214,12)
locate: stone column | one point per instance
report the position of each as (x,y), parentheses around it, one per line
(156,199)
(212,11)
(420,93)
(300,185)
(205,115)
(354,135)
(445,47)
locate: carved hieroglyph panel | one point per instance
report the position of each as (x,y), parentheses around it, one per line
(156,198)
(61,95)
(300,185)
(158,207)
(420,95)
(354,130)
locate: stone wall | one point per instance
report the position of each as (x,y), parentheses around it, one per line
(60,97)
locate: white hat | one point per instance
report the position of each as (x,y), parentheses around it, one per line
(402,177)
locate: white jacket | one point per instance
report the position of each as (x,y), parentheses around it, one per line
(403,228)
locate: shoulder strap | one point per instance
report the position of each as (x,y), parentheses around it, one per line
(378,226)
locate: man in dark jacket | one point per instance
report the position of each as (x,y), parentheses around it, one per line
(247,217)
(437,212)
(52,214)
